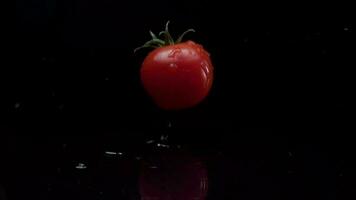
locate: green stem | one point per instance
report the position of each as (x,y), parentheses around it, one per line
(156,42)
(179,40)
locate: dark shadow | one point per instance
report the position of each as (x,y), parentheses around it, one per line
(2,193)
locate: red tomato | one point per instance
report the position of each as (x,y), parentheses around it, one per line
(177,75)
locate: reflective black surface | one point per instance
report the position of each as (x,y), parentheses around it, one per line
(72,94)
(252,164)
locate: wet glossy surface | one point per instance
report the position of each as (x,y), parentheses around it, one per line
(252,164)
(173,175)
(178,76)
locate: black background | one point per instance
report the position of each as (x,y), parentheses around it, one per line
(72,91)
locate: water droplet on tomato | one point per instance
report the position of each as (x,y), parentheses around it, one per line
(173,65)
(174,52)
(205,76)
(191,42)
(199,50)
(205,72)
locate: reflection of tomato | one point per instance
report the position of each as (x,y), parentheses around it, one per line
(174,177)
(176,74)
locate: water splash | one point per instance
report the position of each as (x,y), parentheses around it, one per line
(81,166)
(163,145)
(150,141)
(113,154)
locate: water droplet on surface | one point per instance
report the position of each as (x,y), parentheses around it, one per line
(191,42)
(164,137)
(110,153)
(113,154)
(174,52)
(150,141)
(17,105)
(173,65)
(81,166)
(162,145)
(205,76)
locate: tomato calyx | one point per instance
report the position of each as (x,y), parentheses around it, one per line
(167,39)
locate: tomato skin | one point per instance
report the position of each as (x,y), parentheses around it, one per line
(177,76)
